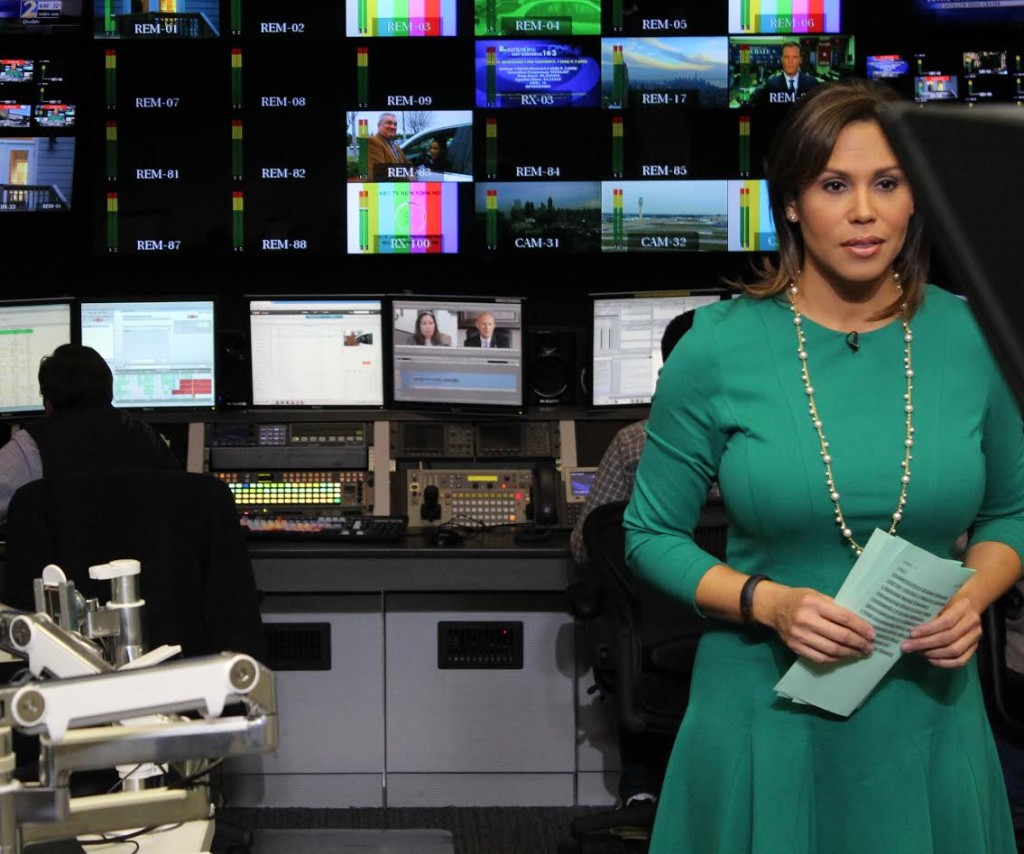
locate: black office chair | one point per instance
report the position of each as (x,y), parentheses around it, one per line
(1004,703)
(642,644)
(196,578)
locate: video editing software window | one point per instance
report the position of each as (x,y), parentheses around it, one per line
(316,352)
(458,352)
(28,331)
(162,353)
(627,330)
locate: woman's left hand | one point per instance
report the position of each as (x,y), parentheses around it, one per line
(950,638)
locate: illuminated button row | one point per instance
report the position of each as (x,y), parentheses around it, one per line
(286,493)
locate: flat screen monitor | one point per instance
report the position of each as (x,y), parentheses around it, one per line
(316,352)
(458,353)
(626,342)
(28,331)
(161,352)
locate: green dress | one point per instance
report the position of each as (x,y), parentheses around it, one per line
(914,770)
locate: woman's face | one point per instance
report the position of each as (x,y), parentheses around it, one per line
(854,216)
(427,326)
(435,149)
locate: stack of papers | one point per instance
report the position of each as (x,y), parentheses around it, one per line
(894,586)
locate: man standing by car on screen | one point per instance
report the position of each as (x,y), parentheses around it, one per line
(384,155)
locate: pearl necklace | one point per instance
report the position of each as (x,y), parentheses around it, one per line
(908,406)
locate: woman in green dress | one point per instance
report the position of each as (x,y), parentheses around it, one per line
(838,394)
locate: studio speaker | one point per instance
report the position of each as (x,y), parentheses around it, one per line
(552,358)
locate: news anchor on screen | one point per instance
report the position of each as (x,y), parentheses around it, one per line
(790,83)
(487,333)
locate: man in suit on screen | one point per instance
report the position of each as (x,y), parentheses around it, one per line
(790,83)
(487,333)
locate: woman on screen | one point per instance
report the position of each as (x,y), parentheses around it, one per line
(427,333)
(838,395)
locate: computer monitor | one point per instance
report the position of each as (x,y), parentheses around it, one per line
(970,210)
(458,353)
(161,352)
(29,330)
(316,352)
(626,342)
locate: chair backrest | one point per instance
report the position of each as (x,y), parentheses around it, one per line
(197,578)
(657,637)
(1002,692)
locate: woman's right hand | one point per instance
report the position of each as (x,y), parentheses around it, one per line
(811,623)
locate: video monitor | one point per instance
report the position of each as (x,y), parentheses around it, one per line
(36,173)
(458,353)
(496,18)
(316,352)
(409,145)
(156,19)
(784,16)
(161,352)
(888,66)
(921,14)
(775,71)
(542,73)
(406,218)
(29,330)
(39,16)
(538,217)
(936,87)
(626,342)
(671,72)
(664,216)
(399,18)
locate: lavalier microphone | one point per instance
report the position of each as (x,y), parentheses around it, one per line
(853,341)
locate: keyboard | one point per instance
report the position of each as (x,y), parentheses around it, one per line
(342,528)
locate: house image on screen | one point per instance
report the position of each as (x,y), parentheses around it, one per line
(36,173)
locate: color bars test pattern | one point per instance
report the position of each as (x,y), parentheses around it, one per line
(403,218)
(400,18)
(784,16)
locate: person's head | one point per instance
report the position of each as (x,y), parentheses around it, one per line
(74,376)
(438,148)
(791,58)
(387,125)
(839,198)
(426,325)
(677,327)
(485,324)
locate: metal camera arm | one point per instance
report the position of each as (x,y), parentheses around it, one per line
(84,720)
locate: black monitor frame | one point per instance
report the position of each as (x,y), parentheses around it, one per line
(161,408)
(459,308)
(384,344)
(687,299)
(12,413)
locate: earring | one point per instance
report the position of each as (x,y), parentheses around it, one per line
(791,216)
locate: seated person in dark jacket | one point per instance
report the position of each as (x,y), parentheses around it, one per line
(487,334)
(82,432)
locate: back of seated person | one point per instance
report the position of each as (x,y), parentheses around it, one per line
(82,431)
(643,754)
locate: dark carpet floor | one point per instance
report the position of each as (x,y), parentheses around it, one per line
(487,830)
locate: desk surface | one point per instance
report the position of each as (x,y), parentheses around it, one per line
(491,561)
(494,560)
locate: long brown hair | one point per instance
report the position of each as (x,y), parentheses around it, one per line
(799,154)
